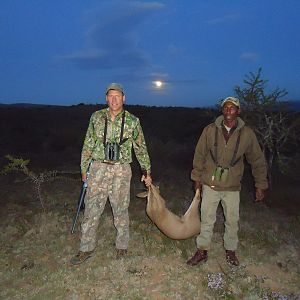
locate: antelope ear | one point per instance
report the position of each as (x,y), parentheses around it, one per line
(142,194)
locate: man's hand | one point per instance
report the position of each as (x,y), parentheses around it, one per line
(83,177)
(197,185)
(147,180)
(259,195)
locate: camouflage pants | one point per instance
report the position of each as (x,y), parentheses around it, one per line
(106,181)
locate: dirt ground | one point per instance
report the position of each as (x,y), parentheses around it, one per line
(36,247)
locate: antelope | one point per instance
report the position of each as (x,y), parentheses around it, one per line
(173,226)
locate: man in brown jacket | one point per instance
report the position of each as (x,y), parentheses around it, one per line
(218,168)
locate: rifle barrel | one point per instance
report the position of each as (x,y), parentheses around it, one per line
(80,202)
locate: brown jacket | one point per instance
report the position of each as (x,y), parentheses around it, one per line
(204,164)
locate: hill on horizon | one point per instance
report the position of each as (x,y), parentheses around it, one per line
(293,105)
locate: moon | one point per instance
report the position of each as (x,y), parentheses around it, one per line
(158,83)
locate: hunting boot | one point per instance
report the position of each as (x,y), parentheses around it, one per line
(80,257)
(231,258)
(199,256)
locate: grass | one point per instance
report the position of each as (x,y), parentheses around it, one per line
(36,247)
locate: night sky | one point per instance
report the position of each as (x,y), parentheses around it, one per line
(66,52)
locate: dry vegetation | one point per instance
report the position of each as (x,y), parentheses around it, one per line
(36,244)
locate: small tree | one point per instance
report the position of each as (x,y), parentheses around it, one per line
(21,165)
(38,179)
(274,124)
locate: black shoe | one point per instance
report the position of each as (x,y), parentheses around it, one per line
(231,258)
(199,256)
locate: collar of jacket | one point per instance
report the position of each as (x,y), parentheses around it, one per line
(220,119)
(118,116)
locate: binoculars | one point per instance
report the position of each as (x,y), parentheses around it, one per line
(112,151)
(220,174)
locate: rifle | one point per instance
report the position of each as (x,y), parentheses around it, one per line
(80,205)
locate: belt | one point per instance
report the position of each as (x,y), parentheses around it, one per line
(110,162)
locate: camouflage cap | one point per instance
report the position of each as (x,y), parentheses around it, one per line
(233,100)
(115,86)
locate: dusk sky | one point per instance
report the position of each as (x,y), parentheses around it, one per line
(66,52)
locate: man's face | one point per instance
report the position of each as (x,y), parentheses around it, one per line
(115,100)
(230,111)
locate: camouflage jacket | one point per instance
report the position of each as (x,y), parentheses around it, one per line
(93,147)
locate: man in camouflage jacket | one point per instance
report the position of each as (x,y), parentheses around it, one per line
(107,149)
(218,168)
